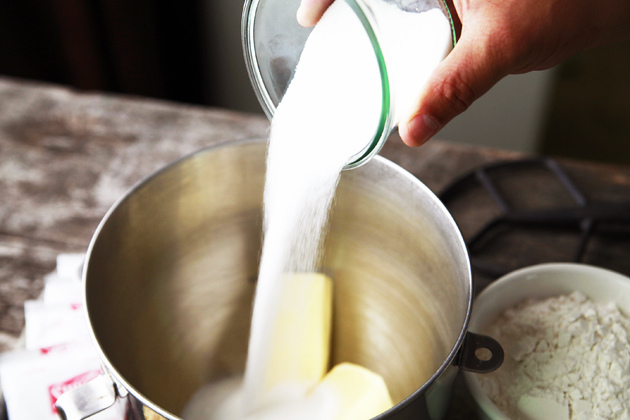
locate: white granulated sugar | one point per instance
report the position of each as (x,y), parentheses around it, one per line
(567,357)
(329,113)
(413,45)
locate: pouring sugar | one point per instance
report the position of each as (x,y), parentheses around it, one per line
(329,113)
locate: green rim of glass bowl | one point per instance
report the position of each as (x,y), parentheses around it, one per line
(385,123)
(447,11)
(385,120)
(248,20)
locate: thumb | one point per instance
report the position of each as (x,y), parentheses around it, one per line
(468,72)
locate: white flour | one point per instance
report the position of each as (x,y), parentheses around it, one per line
(566,358)
(329,113)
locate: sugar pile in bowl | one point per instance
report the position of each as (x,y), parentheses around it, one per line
(567,357)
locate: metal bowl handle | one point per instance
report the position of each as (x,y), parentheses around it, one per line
(468,358)
(88,399)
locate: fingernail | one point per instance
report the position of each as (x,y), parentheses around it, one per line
(422,128)
(301,12)
(305,15)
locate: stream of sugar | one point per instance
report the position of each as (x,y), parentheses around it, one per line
(328,114)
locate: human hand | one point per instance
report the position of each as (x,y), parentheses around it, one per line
(498,38)
(311,10)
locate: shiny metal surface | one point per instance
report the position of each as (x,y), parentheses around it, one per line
(80,403)
(171,272)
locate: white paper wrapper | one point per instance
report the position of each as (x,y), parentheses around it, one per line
(32,381)
(61,290)
(50,325)
(58,353)
(69,266)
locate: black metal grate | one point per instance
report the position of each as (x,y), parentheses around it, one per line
(585,216)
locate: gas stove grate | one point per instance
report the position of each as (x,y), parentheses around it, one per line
(588,217)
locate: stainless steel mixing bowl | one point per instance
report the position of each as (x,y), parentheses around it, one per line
(171,270)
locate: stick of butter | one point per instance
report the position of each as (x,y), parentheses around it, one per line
(352,392)
(301,334)
(295,378)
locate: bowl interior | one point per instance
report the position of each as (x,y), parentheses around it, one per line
(171,273)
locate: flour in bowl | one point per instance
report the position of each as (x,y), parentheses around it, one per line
(566,357)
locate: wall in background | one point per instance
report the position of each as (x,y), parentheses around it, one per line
(190,51)
(510,116)
(141,47)
(229,84)
(580,109)
(589,112)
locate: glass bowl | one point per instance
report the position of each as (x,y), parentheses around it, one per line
(273,42)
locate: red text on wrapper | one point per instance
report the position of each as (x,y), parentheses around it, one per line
(56,390)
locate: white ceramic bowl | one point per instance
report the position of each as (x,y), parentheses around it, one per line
(540,281)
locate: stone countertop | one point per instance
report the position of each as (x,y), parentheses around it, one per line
(66,156)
